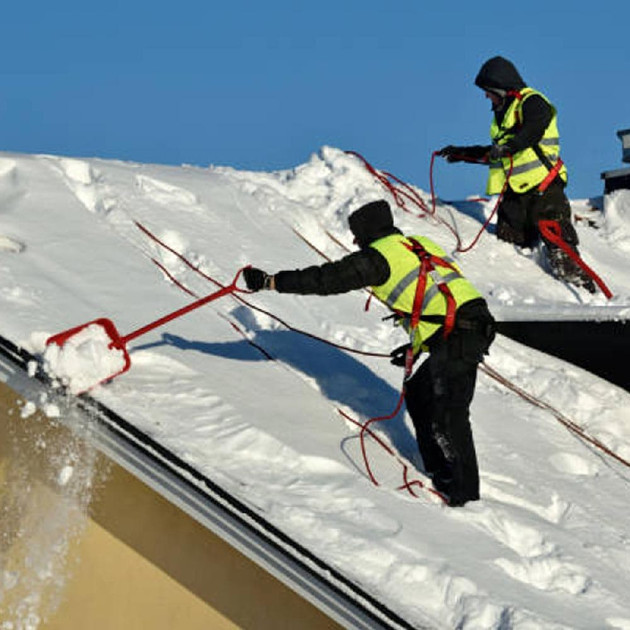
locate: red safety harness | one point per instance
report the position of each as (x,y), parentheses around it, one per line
(550,229)
(428,263)
(551,175)
(553,170)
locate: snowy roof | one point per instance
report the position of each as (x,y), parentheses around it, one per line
(237,392)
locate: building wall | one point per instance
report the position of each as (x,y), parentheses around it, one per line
(84,544)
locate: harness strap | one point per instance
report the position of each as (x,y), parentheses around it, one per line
(451,309)
(421,287)
(428,262)
(517,112)
(554,169)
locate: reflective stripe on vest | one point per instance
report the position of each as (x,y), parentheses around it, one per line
(528,170)
(412,277)
(398,291)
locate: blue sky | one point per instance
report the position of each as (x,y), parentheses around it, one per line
(261,86)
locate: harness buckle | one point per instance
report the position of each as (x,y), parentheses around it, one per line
(437,278)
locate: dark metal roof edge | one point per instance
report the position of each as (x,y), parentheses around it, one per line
(619,172)
(215,508)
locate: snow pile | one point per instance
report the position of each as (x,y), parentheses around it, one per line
(617,211)
(84,359)
(235,390)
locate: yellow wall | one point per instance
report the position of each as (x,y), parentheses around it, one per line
(85,545)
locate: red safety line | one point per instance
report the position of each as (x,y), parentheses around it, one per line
(173,279)
(549,229)
(551,175)
(242,300)
(249,341)
(407,485)
(569,424)
(365,428)
(460,247)
(552,231)
(400,196)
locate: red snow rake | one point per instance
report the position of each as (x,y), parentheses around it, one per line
(114,341)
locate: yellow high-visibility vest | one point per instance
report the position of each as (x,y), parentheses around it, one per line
(399,291)
(528,170)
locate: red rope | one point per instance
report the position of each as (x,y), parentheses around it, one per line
(173,279)
(399,194)
(245,302)
(552,231)
(460,247)
(407,193)
(365,427)
(549,229)
(566,422)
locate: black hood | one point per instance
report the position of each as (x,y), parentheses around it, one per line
(499,75)
(371,222)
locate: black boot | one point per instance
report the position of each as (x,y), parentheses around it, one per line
(563,267)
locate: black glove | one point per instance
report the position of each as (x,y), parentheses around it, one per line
(399,355)
(452,153)
(256,279)
(498,151)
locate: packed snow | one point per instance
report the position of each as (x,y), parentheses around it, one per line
(83,358)
(236,389)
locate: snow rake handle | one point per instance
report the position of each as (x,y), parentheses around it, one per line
(119,343)
(230,288)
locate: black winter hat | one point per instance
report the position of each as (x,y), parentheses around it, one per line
(499,75)
(372,221)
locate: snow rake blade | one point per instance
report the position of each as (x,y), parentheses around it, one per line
(95,352)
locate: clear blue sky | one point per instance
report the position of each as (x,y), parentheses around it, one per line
(262,85)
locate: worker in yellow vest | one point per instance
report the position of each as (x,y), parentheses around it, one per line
(444,315)
(525,149)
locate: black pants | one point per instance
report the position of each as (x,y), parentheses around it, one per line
(517,222)
(518,215)
(438,398)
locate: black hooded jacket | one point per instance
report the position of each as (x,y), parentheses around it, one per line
(364,268)
(500,76)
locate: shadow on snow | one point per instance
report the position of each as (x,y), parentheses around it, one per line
(341,378)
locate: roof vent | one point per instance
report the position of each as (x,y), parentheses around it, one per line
(624,136)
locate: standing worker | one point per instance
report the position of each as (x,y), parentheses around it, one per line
(444,315)
(525,147)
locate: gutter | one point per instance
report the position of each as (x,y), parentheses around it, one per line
(209,504)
